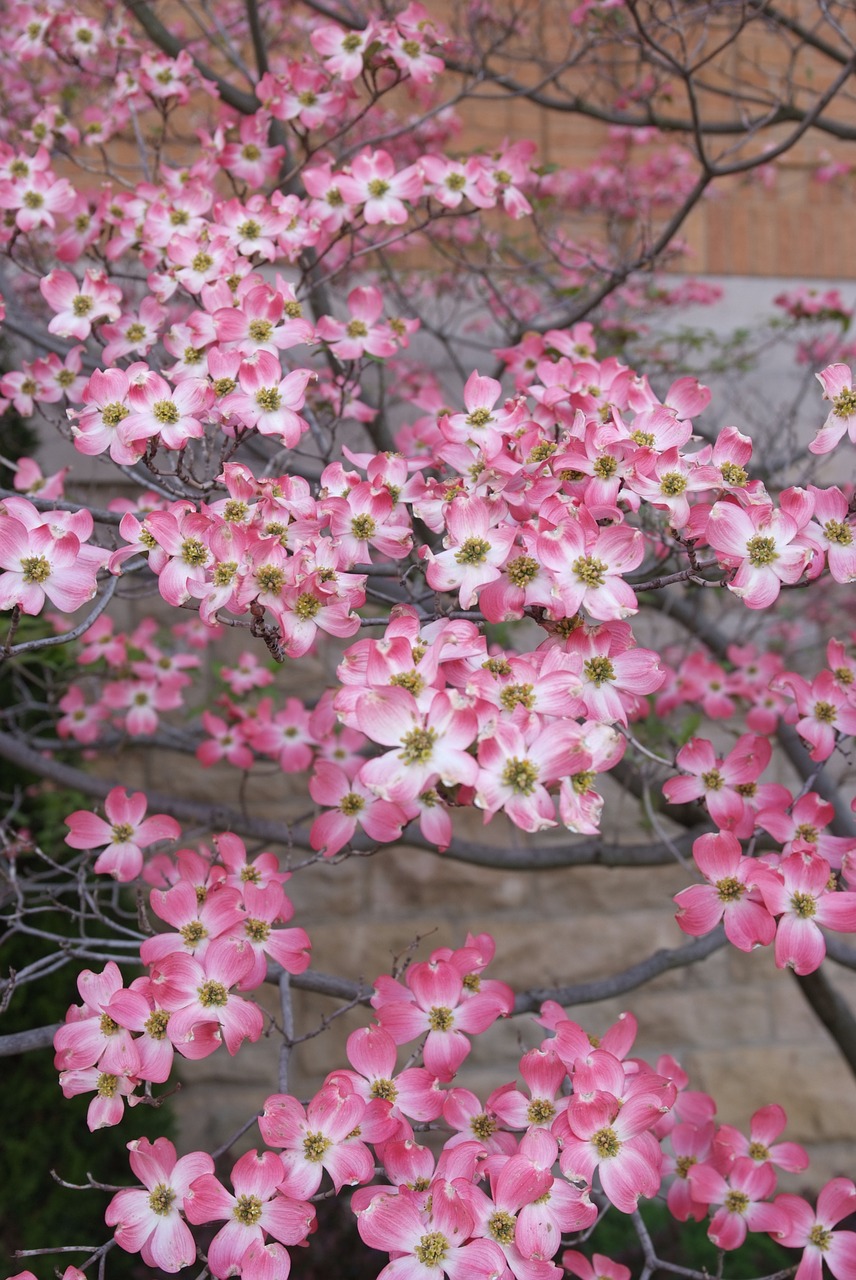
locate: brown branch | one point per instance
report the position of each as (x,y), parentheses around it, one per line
(218,817)
(832,1010)
(628,979)
(246,103)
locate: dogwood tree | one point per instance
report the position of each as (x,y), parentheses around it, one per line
(364,391)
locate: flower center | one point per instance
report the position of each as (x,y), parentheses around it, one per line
(260,330)
(673,484)
(418,746)
(520,775)
(193,932)
(730,889)
(734,475)
(440,1018)
(410,680)
(837,531)
(377,188)
(501,1226)
(384,1089)
(736,1202)
(804,905)
(605,466)
(306,605)
(193,552)
(363,527)
(590,571)
(270,579)
(599,670)
(521,571)
(155,1024)
(36,569)
(212,995)
(256,930)
(483,1126)
(473,551)
(514,695)
(166,411)
(540,1111)
(432,1249)
(357,329)
(351,804)
(844,404)
(107,1026)
(81,304)
(315,1145)
(247,1210)
(106,1085)
(268,399)
(824,712)
(479,418)
(762,551)
(713,780)
(606,1143)
(160,1200)
(114,414)
(820,1237)
(121,832)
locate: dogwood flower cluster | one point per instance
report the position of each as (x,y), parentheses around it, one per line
(220,327)
(225,914)
(46,556)
(519,1174)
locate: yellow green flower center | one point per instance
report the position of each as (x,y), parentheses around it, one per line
(268,399)
(606,1143)
(540,1111)
(248,1210)
(730,889)
(804,905)
(521,571)
(599,670)
(520,775)
(36,569)
(440,1018)
(160,1200)
(762,551)
(193,552)
(418,746)
(590,571)
(212,994)
(432,1249)
(844,404)
(315,1145)
(306,605)
(166,411)
(501,1226)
